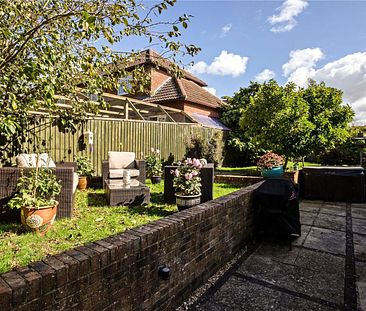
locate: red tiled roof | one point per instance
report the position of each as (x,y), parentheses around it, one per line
(151,57)
(175,89)
(197,94)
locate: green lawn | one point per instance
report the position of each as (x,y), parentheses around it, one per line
(93,220)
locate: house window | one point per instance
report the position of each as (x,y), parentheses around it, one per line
(124,83)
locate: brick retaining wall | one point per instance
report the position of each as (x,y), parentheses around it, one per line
(121,272)
(250,180)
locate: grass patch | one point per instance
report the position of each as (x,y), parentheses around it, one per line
(93,220)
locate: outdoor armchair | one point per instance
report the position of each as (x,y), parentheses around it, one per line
(118,162)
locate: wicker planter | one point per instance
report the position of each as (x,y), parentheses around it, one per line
(39,220)
(83,183)
(186,201)
(155,179)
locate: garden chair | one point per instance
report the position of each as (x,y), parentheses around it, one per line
(118,162)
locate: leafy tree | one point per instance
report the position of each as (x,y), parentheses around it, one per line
(297,122)
(48,51)
(328,115)
(240,148)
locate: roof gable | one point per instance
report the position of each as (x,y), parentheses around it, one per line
(151,57)
(183,89)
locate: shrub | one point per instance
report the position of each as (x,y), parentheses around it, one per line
(153,163)
(210,149)
(270,160)
(84,166)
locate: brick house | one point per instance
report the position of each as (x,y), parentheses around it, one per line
(186,93)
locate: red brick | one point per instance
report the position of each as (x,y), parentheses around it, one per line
(18,286)
(5,295)
(48,276)
(33,280)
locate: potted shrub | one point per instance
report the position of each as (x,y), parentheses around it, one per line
(35,197)
(271,165)
(187,183)
(84,170)
(154,168)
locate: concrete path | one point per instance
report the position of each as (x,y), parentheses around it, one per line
(324,269)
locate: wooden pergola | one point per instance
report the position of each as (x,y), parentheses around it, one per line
(132,109)
(125,108)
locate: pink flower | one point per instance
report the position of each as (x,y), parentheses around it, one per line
(194,173)
(176,173)
(188,176)
(197,163)
(189,161)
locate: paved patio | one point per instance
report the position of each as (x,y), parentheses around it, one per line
(324,269)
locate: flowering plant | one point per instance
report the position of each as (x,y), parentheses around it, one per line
(187,178)
(270,160)
(153,163)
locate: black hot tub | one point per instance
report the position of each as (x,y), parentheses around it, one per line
(342,184)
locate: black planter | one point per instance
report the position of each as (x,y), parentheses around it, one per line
(155,179)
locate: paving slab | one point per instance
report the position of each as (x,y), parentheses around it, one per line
(295,278)
(281,253)
(361,284)
(358,212)
(239,294)
(326,240)
(359,242)
(332,209)
(359,225)
(310,206)
(308,218)
(305,230)
(359,205)
(329,221)
(321,262)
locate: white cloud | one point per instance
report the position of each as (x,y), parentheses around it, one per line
(347,73)
(225,29)
(211,90)
(265,75)
(285,19)
(226,64)
(302,58)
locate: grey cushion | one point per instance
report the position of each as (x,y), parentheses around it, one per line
(118,173)
(119,160)
(75,182)
(30,160)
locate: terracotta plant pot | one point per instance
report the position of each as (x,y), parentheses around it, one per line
(83,183)
(186,201)
(39,220)
(155,179)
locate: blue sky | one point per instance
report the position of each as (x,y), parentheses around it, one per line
(290,40)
